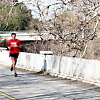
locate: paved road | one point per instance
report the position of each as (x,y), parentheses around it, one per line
(32,86)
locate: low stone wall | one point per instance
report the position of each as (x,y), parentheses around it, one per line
(32,62)
(4,58)
(67,67)
(74,68)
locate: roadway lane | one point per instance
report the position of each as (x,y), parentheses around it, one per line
(3,98)
(31,86)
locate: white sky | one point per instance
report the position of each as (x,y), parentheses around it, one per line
(45,1)
(30,6)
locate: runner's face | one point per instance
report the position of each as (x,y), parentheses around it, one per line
(13,37)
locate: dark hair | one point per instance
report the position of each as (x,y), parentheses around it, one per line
(13,34)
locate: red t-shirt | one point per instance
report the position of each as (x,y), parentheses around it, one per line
(13,44)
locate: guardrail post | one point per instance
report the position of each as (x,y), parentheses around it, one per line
(45,62)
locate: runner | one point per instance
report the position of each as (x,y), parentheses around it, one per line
(14,46)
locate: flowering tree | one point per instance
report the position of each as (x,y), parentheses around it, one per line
(74,21)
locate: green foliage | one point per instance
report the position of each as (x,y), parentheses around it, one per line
(3,42)
(43,72)
(2,25)
(14,18)
(0,39)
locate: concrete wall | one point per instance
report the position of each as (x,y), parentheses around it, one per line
(66,67)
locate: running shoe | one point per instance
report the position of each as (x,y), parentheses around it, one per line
(11,69)
(15,74)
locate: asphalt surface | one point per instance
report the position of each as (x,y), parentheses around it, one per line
(33,86)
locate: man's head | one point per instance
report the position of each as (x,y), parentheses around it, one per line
(13,35)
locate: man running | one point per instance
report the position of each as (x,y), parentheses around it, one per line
(14,46)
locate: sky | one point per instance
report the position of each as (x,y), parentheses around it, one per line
(45,1)
(30,6)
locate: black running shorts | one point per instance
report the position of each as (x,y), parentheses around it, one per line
(15,55)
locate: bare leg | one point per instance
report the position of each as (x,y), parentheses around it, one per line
(14,61)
